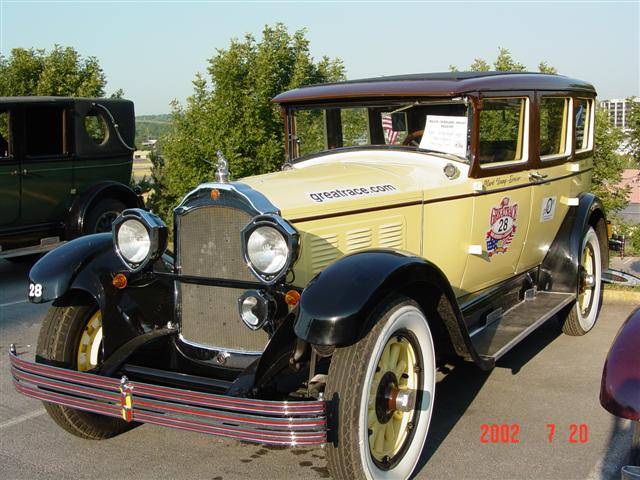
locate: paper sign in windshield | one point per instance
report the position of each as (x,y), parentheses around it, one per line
(445,134)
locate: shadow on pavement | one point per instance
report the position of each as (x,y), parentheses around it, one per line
(457,390)
(531,346)
(618,448)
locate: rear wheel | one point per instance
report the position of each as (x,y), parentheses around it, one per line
(102,215)
(583,314)
(384,386)
(71,337)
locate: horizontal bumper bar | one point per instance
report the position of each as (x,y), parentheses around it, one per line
(262,421)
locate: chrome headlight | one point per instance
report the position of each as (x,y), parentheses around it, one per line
(138,238)
(270,246)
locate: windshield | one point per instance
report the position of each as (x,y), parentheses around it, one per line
(420,125)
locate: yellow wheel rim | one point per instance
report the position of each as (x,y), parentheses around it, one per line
(586,290)
(90,341)
(386,439)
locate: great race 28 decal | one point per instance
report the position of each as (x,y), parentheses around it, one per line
(503,227)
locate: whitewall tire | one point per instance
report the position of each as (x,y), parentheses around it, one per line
(375,440)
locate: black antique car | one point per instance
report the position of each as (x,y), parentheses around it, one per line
(65,168)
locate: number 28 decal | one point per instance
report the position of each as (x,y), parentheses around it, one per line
(502,220)
(35,290)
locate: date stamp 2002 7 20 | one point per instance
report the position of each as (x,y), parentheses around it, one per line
(510,433)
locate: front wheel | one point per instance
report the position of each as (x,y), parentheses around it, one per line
(384,386)
(71,337)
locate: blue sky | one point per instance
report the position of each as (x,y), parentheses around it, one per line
(153,49)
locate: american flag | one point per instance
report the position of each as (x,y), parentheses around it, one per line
(390,135)
(495,245)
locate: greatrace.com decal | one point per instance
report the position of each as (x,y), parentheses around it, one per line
(351,192)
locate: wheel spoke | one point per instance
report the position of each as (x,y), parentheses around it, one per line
(379,438)
(394,354)
(401,368)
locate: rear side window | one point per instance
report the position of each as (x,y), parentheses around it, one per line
(582,110)
(553,126)
(503,125)
(5,149)
(45,131)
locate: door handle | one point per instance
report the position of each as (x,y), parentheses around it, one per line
(537,176)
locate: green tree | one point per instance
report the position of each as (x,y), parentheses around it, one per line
(544,67)
(504,62)
(60,72)
(608,165)
(479,65)
(633,122)
(231,110)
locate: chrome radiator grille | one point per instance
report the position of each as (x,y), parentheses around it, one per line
(209,246)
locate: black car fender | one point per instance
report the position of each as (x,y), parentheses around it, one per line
(559,269)
(84,203)
(51,277)
(87,266)
(335,307)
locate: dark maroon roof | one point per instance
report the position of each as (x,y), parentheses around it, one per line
(442,84)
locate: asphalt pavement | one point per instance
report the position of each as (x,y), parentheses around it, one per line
(549,379)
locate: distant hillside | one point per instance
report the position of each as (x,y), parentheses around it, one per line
(151,127)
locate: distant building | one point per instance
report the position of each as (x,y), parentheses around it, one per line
(631,178)
(150,143)
(618,110)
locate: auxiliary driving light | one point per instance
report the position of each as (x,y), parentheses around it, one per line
(255,308)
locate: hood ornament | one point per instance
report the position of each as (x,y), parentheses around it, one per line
(222,168)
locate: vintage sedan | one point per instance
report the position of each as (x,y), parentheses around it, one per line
(417,220)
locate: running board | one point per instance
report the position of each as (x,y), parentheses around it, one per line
(510,328)
(46,245)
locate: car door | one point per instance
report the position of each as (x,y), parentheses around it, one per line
(9,172)
(502,203)
(47,165)
(556,171)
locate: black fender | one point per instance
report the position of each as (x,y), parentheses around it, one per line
(559,269)
(87,266)
(85,202)
(335,307)
(54,273)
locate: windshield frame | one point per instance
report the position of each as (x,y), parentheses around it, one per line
(398,104)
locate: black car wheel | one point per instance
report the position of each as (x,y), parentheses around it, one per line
(102,215)
(71,337)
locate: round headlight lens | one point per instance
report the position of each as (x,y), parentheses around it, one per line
(267,250)
(133,241)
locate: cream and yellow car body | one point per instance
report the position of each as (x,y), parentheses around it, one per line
(427,213)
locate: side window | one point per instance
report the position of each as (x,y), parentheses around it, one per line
(582,110)
(5,143)
(503,124)
(310,131)
(96,127)
(355,127)
(44,131)
(553,127)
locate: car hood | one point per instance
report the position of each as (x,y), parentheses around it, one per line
(345,182)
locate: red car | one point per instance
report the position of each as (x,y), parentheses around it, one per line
(620,389)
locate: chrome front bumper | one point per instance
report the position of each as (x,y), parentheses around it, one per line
(288,423)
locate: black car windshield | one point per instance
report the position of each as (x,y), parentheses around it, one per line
(440,126)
